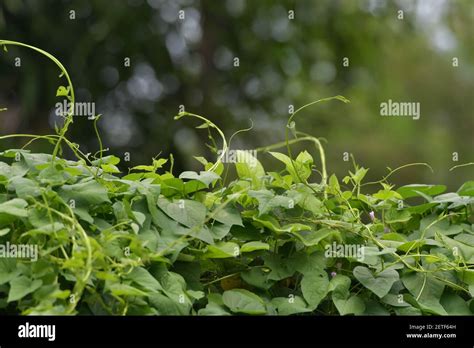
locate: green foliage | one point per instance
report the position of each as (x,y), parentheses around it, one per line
(112,245)
(152,243)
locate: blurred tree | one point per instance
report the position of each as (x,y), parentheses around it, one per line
(234,60)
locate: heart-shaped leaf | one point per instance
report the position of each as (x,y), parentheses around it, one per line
(379,285)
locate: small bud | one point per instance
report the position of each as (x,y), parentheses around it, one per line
(372,215)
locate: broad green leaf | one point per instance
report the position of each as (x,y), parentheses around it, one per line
(430,225)
(380,284)
(359,175)
(333,185)
(300,171)
(314,237)
(205,177)
(305,158)
(243,301)
(89,192)
(290,305)
(174,286)
(215,306)
(8,270)
(339,286)
(315,287)
(258,278)
(280,267)
(15,207)
(187,212)
(272,224)
(22,286)
(248,167)
(467,276)
(310,202)
(24,187)
(228,215)
(387,194)
(413,190)
(373,307)
(454,304)
(252,246)
(111,159)
(467,189)
(219,231)
(109,168)
(268,201)
(455,200)
(420,209)
(119,289)
(213,309)
(143,278)
(307,263)
(393,216)
(168,306)
(457,249)
(426,290)
(352,305)
(222,250)
(395,300)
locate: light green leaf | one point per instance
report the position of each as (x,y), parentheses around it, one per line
(228,215)
(267,201)
(352,305)
(248,167)
(467,189)
(258,278)
(252,246)
(413,190)
(380,284)
(187,212)
(4,232)
(119,289)
(454,304)
(392,216)
(143,278)
(299,170)
(219,231)
(222,250)
(14,207)
(243,301)
(313,237)
(89,192)
(426,290)
(290,305)
(22,286)
(315,287)
(204,176)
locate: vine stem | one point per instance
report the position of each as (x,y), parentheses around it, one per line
(210,124)
(291,125)
(68,118)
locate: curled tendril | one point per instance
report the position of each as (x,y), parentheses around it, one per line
(291,126)
(62,131)
(225,147)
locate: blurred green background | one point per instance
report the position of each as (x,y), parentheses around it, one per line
(282,61)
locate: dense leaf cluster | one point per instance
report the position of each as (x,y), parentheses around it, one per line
(268,242)
(152,243)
